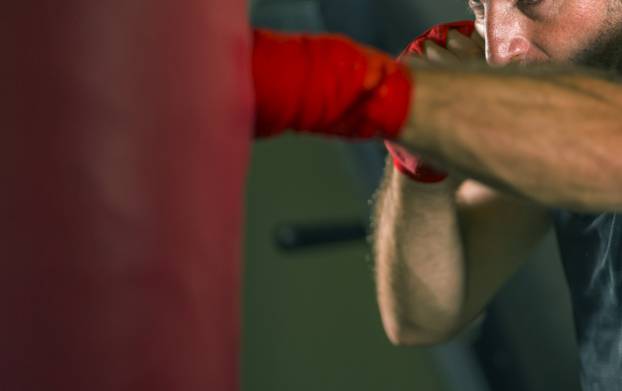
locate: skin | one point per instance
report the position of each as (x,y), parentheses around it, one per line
(516,140)
(540,31)
(573,104)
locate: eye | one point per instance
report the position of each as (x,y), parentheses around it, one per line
(535,9)
(528,3)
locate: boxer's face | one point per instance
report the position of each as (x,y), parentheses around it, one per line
(560,31)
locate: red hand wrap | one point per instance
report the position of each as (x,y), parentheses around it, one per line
(329,85)
(404,161)
(438,35)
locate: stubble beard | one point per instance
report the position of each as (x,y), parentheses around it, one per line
(605,52)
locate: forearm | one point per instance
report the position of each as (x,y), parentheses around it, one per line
(419,262)
(553,136)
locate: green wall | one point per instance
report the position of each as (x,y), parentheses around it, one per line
(310,317)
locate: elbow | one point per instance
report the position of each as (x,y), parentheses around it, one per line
(590,200)
(419,328)
(596,188)
(400,334)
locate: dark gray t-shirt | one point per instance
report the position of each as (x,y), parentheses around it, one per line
(591,251)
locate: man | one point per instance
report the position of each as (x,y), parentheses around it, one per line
(539,146)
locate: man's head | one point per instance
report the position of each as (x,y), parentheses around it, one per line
(586,32)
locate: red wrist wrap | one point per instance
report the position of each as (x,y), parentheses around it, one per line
(413,166)
(404,161)
(329,85)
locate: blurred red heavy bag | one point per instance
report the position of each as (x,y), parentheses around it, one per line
(125,134)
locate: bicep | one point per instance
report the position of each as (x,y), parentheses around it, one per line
(498,232)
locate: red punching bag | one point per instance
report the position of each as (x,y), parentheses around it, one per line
(125,134)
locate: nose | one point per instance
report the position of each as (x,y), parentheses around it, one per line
(506,41)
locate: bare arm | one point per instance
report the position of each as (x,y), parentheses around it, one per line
(420,298)
(554,136)
(440,256)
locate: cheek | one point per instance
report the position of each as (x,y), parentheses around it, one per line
(577,24)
